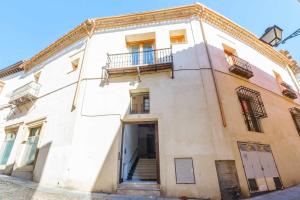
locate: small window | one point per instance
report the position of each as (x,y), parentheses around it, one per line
(229,51)
(178,36)
(230,55)
(295,112)
(1,86)
(140,101)
(277,77)
(75,64)
(37,77)
(75,61)
(252,107)
(34,132)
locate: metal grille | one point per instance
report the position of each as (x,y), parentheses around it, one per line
(252,184)
(278,183)
(234,60)
(295,112)
(254,98)
(139,58)
(288,91)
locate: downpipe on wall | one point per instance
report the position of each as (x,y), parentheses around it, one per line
(213,75)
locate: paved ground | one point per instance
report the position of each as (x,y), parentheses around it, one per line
(292,193)
(16,189)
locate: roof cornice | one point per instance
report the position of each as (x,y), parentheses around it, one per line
(14,68)
(209,16)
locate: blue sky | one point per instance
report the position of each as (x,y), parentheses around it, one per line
(29,26)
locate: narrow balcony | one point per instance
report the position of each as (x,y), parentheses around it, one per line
(239,66)
(25,93)
(139,62)
(288,91)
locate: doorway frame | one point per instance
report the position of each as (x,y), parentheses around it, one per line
(155,122)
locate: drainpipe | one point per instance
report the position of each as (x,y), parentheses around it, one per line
(90,28)
(213,75)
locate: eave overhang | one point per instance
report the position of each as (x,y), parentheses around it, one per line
(198,10)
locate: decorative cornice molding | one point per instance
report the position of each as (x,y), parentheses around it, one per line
(11,69)
(236,31)
(209,16)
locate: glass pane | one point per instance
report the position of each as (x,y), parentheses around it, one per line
(148,54)
(30,150)
(134,55)
(5,150)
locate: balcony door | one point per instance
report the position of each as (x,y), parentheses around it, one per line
(142,54)
(7,146)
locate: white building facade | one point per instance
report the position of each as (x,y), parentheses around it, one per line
(154,103)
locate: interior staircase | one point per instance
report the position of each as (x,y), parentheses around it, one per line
(141,179)
(144,170)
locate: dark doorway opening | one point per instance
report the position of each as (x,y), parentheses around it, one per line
(139,154)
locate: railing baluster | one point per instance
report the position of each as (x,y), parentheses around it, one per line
(148,57)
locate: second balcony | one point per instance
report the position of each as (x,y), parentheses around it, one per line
(25,93)
(239,66)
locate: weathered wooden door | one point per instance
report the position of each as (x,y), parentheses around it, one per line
(227,176)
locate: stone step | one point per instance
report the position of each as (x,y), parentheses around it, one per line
(143,178)
(139,189)
(144,172)
(145,167)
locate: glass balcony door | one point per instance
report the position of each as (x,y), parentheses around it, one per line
(30,150)
(142,54)
(7,147)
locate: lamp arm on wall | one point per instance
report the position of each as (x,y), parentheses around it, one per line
(296,33)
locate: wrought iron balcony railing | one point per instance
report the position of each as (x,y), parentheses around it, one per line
(148,60)
(239,66)
(25,93)
(288,91)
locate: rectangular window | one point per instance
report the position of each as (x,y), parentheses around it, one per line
(75,60)
(140,101)
(7,146)
(252,107)
(178,36)
(295,112)
(30,151)
(229,54)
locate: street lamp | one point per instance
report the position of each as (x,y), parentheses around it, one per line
(272,35)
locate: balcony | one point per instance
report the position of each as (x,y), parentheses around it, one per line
(25,93)
(239,66)
(288,91)
(140,62)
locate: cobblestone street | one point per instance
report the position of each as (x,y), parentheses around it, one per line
(16,189)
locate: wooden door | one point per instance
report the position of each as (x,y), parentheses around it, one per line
(227,176)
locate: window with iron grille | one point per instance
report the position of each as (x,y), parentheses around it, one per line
(252,107)
(295,112)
